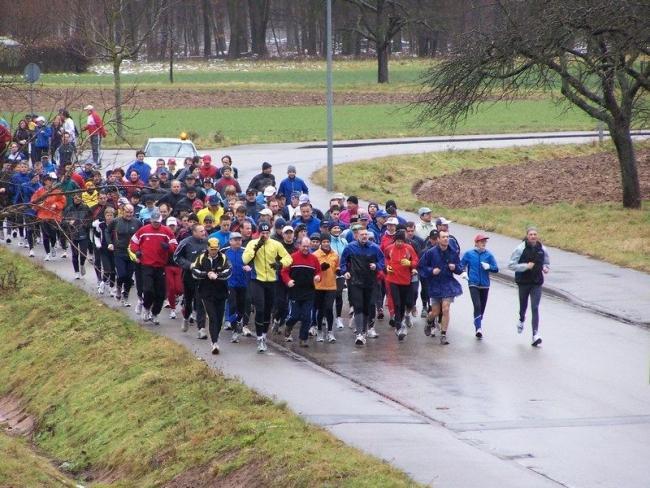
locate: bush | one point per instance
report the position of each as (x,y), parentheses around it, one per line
(9,279)
(56,55)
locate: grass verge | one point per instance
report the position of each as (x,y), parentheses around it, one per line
(21,466)
(294,124)
(569,226)
(133,409)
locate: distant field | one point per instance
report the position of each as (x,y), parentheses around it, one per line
(262,75)
(289,124)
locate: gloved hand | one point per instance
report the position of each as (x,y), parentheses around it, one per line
(165,245)
(259,244)
(276,266)
(485,266)
(405,262)
(324,266)
(138,254)
(389,268)
(464,276)
(338,273)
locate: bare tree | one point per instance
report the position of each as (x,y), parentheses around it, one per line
(592,50)
(259,11)
(118,33)
(380,21)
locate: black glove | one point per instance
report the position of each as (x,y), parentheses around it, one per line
(338,273)
(259,244)
(324,266)
(164,245)
(138,254)
(276,266)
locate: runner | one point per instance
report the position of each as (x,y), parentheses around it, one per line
(77,220)
(360,262)
(119,236)
(401,265)
(50,203)
(300,277)
(438,265)
(326,288)
(263,253)
(153,244)
(212,270)
(530,262)
(477,264)
(238,297)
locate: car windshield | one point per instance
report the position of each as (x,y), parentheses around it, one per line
(170,150)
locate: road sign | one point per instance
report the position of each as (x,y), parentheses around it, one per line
(32,73)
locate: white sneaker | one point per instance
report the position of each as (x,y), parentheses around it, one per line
(138,307)
(401,333)
(312,331)
(64,254)
(246,331)
(227,325)
(31,253)
(339,323)
(154,319)
(101,287)
(77,276)
(479,333)
(331,338)
(125,303)
(264,346)
(145,315)
(53,253)
(201,334)
(112,292)
(185,325)
(360,340)
(172,314)
(260,344)
(320,337)
(520,326)
(215,348)
(47,257)
(235,337)
(21,243)
(537,340)
(82,268)
(372,333)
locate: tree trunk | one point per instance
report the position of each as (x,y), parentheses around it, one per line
(259,17)
(620,133)
(238,35)
(117,91)
(383,53)
(207,29)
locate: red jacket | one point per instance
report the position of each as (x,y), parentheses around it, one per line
(154,245)
(50,205)
(98,127)
(208,171)
(401,274)
(386,240)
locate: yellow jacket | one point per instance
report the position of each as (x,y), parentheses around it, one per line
(328,276)
(206,211)
(90,199)
(265,257)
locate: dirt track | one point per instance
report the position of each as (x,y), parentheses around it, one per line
(588,179)
(47,100)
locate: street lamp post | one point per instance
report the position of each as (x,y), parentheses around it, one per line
(330,103)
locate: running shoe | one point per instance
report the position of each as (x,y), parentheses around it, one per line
(360,340)
(331,338)
(372,333)
(246,331)
(443,339)
(138,307)
(185,325)
(537,340)
(201,334)
(401,333)
(479,333)
(31,253)
(215,348)
(235,337)
(339,323)
(520,326)
(154,319)
(320,336)
(172,314)
(380,313)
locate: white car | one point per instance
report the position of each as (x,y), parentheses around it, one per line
(168,147)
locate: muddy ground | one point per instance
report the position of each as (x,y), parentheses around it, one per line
(48,100)
(588,179)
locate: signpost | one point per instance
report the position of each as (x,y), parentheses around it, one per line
(330,102)
(32,73)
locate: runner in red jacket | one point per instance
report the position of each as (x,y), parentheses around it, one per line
(153,245)
(401,264)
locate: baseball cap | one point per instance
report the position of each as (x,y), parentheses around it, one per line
(334,224)
(279,223)
(251,191)
(424,210)
(235,235)
(269,191)
(214,199)
(155,216)
(154,178)
(392,220)
(264,227)
(433,234)
(89,107)
(172,221)
(381,213)
(356,227)
(191,189)
(443,221)
(304,198)
(50,176)
(480,237)
(315,236)
(364,216)
(206,158)
(213,243)
(266,211)
(287,228)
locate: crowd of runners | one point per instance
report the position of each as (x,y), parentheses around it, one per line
(254,259)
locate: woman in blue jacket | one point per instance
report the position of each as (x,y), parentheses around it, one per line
(478,263)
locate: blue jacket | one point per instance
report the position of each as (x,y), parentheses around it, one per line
(313,225)
(289,185)
(42,137)
(143,170)
(338,244)
(444,284)
(20,190)
(239,277)
(471,263)
(222,237)
(372,227)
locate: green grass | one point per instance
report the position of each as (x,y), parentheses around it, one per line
(565,225)
(259,75)
(111,398)
(290,124)
(21,466)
